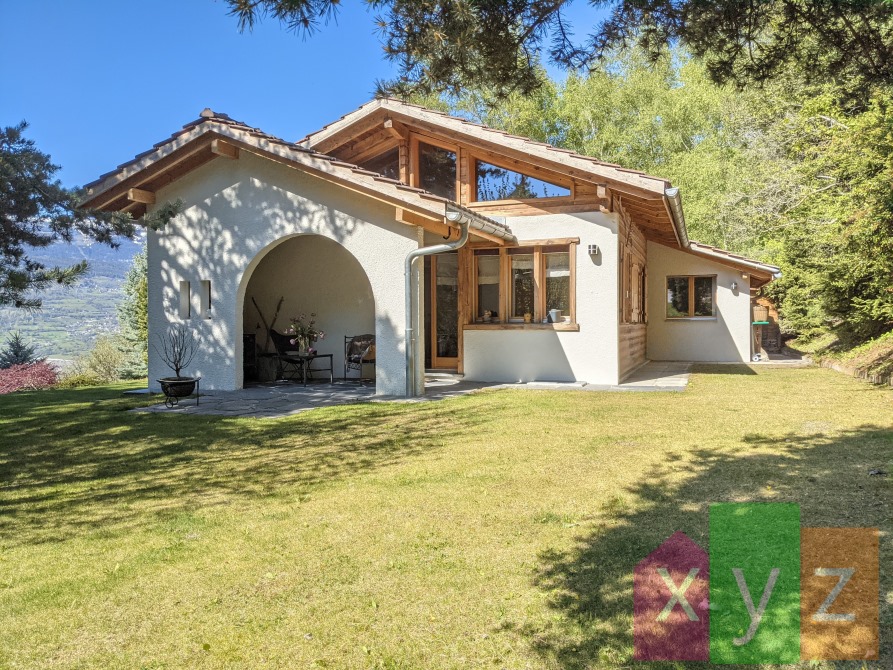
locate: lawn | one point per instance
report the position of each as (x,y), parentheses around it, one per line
(497,530)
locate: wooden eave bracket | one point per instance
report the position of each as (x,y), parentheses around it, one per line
(431,224)
(139,195)
(396,129)
(224,149)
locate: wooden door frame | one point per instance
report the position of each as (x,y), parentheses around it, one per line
(438,362)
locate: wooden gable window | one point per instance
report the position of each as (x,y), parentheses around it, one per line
(690,297)
(438,170)
(386,164)
(493,182)
(522,285)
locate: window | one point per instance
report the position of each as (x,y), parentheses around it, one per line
(523,284)
(488,284)
(206,299)
(522,298)
(497,183)
(558,279)
(185,300)
(437,170)
(387,164)
(689,297)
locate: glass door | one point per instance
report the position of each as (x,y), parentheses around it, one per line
(445,311)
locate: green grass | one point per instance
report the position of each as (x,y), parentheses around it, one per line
(497,530)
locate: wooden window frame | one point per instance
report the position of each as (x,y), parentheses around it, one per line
(473,159)
(508,321)
(415,160)
(691,298)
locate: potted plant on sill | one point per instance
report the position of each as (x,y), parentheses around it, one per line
(178,348)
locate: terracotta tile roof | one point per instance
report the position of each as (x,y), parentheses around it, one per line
(224,126)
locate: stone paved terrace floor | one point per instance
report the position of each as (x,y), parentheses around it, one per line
(278,399)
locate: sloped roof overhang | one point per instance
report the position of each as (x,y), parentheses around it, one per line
(131,187)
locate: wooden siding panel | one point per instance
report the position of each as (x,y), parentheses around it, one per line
(632,347)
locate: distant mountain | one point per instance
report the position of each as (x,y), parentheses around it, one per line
(72,318)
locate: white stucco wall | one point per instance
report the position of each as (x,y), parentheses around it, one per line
(723,338)
(238,211)
(589,355)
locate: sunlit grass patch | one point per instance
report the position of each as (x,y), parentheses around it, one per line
(493,530)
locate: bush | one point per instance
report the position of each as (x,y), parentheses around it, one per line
(103,363)
(27,377)
(16,352)
(77,379)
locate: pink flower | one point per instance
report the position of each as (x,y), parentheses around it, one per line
(291,341)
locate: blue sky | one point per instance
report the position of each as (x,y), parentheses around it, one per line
(102,80)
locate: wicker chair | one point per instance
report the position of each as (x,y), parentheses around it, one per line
(288,366)
(359,350)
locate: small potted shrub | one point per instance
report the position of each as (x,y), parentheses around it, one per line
(178,348)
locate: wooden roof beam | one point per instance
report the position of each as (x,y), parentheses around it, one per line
(139,195)
(371,150)
(408,217)
(164,164)
(224,149)
(345,135)
(396,129)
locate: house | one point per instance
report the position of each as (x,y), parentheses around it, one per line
(525,262)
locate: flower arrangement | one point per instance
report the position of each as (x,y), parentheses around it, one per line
(304,332)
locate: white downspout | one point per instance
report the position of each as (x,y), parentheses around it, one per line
(455,217)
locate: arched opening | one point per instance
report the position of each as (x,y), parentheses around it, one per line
(312,274)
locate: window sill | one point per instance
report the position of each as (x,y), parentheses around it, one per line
(565,327)
(690,318)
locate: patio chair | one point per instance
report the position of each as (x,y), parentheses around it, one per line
(288,366)
(359,350)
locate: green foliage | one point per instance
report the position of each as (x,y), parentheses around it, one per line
(792,173)
(77,379)
(669,119)
(133,319)
(35,211)
(837,243)
(103,363)
(16,352)
(456,45)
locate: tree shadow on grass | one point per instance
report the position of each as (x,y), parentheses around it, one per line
(78,460)
(589,587)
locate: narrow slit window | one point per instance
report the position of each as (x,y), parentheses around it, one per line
(498,183)
(206,299)
(185,300)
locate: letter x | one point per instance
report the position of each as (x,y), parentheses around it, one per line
(677,594)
